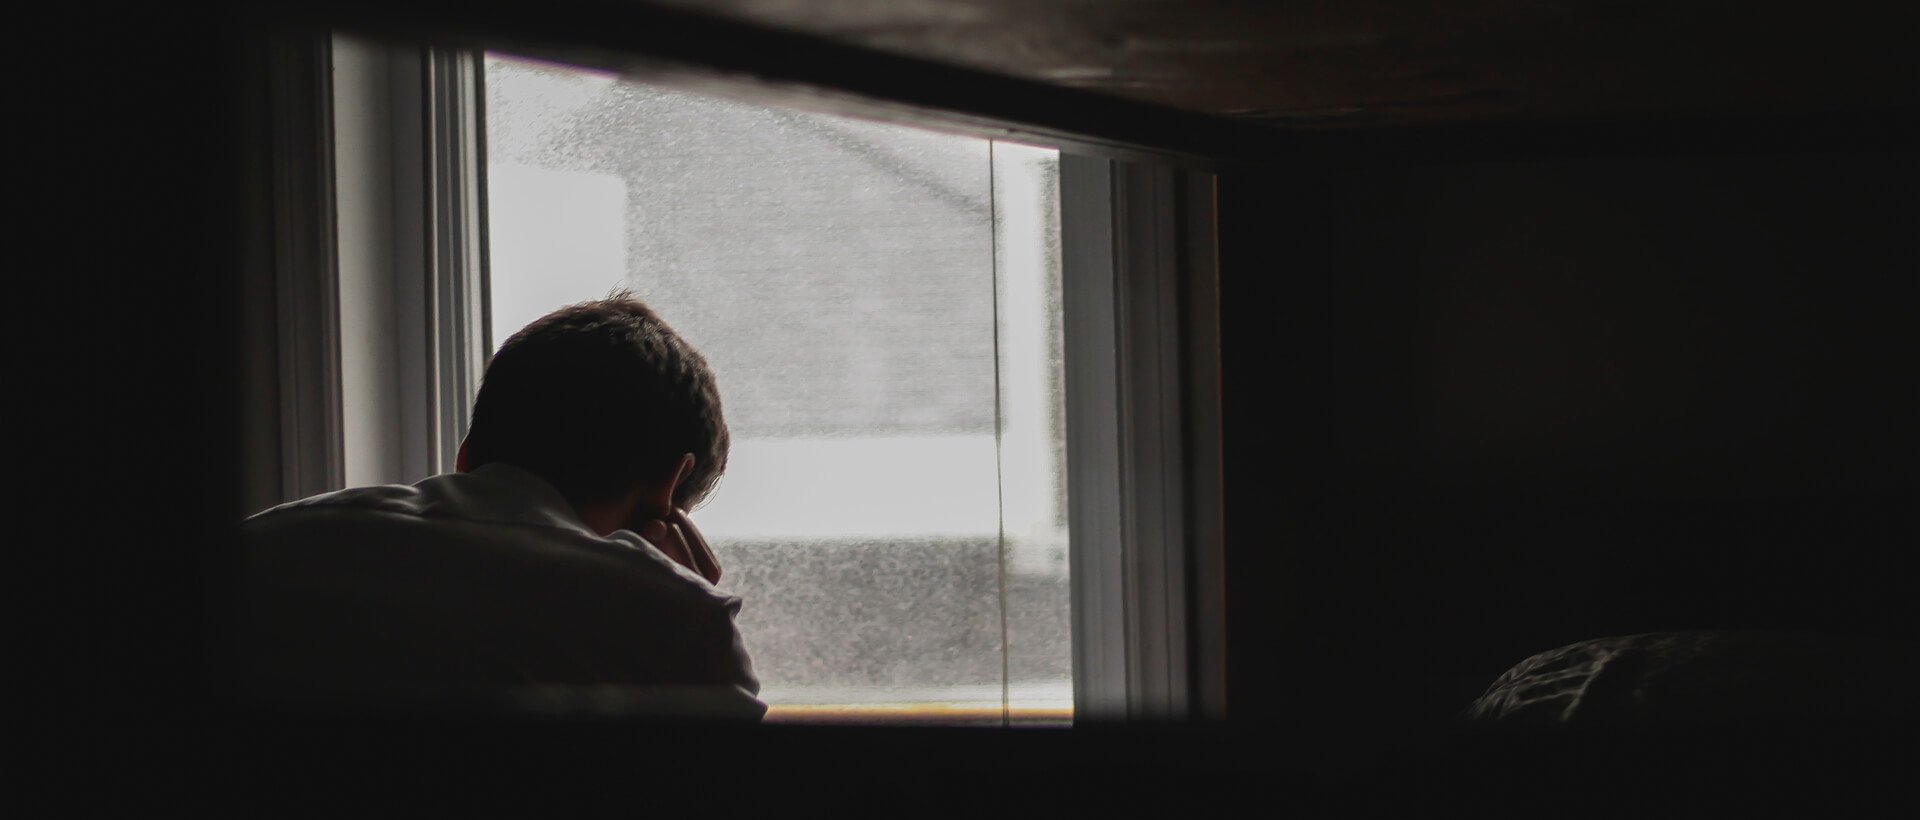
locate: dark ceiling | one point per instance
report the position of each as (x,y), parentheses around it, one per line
(1353,63)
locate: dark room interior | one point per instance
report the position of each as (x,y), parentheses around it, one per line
(1538,323)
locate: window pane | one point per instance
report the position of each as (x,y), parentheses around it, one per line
(1033,495)
(881,307)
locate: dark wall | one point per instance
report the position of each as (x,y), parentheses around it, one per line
(119,343)
(1481,408)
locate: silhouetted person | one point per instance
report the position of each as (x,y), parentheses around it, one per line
(557,564)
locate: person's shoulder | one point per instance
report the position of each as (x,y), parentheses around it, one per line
(399,498)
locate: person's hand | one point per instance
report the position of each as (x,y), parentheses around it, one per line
(676,536)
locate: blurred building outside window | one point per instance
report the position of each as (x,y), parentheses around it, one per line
(881,306)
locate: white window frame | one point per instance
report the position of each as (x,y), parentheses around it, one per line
(386,306)
(1143,443)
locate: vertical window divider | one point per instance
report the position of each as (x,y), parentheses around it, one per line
(999,438)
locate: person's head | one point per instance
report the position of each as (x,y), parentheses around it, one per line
(601,398)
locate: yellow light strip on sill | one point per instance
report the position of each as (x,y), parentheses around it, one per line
(912,713)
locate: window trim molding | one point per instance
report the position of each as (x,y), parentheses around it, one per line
(305,272)
(414,113)
(454,98)
(1204,443)
(1143,451)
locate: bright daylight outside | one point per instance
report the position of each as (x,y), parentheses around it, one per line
(881,306)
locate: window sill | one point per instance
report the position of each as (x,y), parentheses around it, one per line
(919,714)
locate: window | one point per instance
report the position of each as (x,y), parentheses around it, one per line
(1020,332)
(881,306)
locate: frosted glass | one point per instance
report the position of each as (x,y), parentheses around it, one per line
(893,513)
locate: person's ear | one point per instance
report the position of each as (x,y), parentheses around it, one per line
(460,459)
(680,474)
(655,500)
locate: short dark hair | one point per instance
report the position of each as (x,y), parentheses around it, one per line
(598,397)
